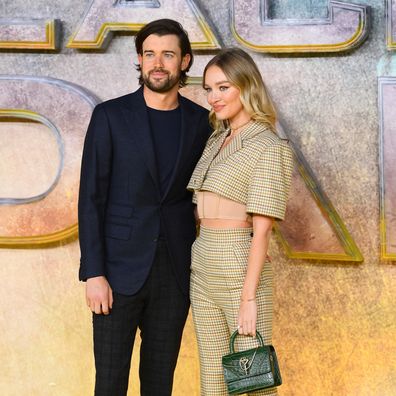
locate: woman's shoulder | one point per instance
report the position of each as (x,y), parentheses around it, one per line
(267,144)
(265,136)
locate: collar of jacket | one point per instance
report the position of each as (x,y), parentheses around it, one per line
(236,143)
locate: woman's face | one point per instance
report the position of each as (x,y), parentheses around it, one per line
(223,96)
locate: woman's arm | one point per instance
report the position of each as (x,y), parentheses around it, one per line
(247,317)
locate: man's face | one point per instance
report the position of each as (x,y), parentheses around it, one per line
(162,62)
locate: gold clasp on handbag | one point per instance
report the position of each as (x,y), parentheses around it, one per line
(243,364)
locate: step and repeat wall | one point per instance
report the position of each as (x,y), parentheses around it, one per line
(331,69)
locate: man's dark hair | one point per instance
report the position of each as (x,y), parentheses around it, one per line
(163,27)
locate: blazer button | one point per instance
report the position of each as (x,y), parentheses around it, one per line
(155,239)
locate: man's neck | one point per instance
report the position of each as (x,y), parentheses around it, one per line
(161,101)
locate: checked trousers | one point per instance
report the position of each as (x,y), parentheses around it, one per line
(219,263)
(159,310)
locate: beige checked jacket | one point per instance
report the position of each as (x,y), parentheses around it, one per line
(255,168)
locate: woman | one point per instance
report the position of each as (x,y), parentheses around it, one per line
(240,186)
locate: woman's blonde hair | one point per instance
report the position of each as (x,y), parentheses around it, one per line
(242,72)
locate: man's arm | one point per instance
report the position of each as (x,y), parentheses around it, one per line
(94,183)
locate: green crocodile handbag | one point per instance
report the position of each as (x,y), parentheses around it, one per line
(252,369)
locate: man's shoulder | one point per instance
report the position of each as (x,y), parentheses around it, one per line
(124,100)
(136,98)
(193,106)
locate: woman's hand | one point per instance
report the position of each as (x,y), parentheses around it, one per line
(247,317)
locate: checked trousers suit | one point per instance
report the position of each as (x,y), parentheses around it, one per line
(254,169)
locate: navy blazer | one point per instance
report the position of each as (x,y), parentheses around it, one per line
(120,206)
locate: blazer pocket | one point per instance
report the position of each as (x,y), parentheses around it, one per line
(117,231)
(120,210)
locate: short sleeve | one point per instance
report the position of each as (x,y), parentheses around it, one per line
(269,186)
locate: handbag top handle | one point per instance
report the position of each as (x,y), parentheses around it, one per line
(234,335)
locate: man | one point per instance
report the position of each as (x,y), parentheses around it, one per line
(136,221)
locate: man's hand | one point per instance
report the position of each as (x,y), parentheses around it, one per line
(99,295)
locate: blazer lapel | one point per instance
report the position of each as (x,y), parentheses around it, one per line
(213,154)
(234,145)
(137,118)
(237,142)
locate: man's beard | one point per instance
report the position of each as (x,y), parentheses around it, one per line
(164,85)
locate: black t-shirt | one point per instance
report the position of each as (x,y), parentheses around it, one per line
(165,128)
